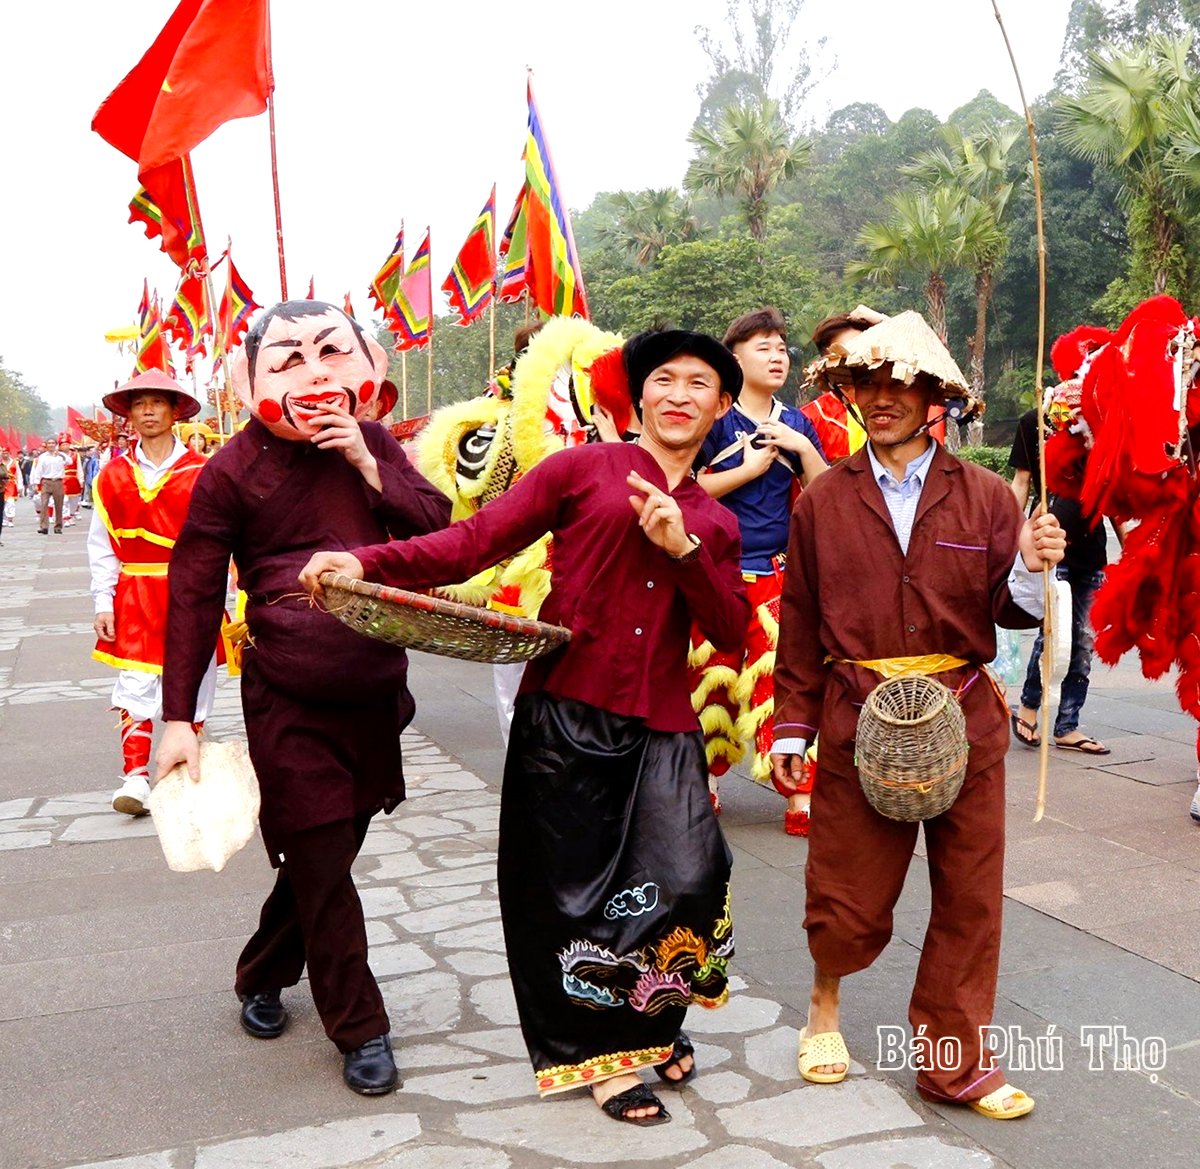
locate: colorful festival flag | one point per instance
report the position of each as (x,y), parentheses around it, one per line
(383,288)
(512,252)
(348,307)
(472,281)
(312,288)
(552,272)
(165,206)
(153,351)
(208,65)
(414,302)
(237,304)
(188,321)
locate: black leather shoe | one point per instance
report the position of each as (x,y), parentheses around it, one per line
(370,1070)
(263,1015)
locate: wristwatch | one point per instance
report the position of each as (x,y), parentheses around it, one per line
(691,553)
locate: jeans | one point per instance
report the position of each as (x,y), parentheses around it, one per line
(1073,692)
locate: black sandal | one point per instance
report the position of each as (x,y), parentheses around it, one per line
(682,1049)
(640,1097)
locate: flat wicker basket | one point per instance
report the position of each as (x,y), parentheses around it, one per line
(911,748)
(436,625)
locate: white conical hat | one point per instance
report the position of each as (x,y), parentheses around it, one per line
(907,341)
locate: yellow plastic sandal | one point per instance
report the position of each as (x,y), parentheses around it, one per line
(821,1050)
(992,1105)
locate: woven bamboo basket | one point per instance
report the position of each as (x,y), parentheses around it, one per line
(436,625)
(911,748)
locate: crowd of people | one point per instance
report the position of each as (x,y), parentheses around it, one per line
(737,575)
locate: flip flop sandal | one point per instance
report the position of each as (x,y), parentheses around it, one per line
(640,1097)
(1018,725)
(992,1105)
(1085,746)
(826,1047)
(682,1049)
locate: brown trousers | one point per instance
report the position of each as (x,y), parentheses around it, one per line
(857,861)
(51,489)
(314,915)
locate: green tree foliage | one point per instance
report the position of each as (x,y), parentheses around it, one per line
(645,222)
(1134,110)
(21,405)
(758,54)
(751,152)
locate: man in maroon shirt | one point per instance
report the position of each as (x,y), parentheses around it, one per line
(613,871)
(324,707)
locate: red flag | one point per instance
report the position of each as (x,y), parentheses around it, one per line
(33,442)
(348,306)
(207,66)
(472,280)
(153,352)
(12,439)
(100,415)
(187,322)
(74,431)
(312,295)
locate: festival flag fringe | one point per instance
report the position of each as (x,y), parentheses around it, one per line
(414,302)
(188,321)
(472,281)
(153,351)
(237,304)
(166,208)
(512,252)
(386,284)
(540,238)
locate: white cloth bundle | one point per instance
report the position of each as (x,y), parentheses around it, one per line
(201,825)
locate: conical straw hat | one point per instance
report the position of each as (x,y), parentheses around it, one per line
(910,345)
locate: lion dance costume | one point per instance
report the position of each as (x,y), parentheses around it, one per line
(1130,403)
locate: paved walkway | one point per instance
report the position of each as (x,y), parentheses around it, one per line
(119,1041)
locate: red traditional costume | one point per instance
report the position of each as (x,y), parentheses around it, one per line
(840,434)
(142,524)
(140,507)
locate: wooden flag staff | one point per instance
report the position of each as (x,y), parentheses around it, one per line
(1047,577)
(283,288)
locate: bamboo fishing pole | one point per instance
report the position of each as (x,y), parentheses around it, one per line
(1047,578)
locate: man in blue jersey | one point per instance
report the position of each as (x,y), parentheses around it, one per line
(755,459)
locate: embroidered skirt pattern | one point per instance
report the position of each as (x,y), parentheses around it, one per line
(614,889)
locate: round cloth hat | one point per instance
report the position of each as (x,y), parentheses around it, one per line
(645,352)
(152,381)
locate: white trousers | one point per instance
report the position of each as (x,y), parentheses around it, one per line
(140,693)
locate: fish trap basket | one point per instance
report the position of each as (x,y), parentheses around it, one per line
(911,748)
(437,625)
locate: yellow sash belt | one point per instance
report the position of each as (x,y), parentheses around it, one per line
(154,568)
(903,667)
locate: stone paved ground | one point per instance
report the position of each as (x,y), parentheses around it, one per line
(119,1041)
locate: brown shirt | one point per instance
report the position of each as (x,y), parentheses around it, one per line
(851,593)
(629,606)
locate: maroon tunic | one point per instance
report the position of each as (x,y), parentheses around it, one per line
(324,705)
(627,603)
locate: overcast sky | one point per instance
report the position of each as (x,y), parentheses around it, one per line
(388,111)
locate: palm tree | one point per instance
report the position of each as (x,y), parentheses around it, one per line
(749,155)
(981,166)
(1133,117)
(648,221)
(927,235)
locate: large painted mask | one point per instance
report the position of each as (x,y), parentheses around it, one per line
(302,357)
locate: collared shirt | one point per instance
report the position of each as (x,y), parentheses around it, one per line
(902,499)
(49,466)
(105,565)
(629,605)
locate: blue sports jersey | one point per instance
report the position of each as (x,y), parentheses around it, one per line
(764,505)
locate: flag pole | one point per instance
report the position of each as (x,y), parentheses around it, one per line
(275,164)
(492,331)
(404,382)
(189,186)
(429,355)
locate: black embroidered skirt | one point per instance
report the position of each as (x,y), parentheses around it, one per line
(614,889)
